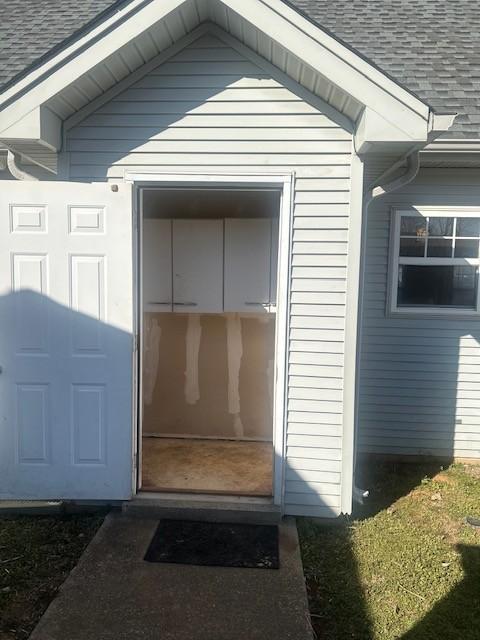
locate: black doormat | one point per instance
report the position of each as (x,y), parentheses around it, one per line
(215,544)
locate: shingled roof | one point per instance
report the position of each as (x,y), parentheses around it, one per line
(432,47)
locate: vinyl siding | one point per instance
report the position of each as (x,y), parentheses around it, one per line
(210,109)
(419,377)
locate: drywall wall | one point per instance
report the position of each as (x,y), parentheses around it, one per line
(208,375)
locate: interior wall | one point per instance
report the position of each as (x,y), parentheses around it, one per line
(208,375)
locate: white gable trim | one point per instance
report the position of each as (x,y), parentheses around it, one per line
(320,51)
(232,42)
(135,76)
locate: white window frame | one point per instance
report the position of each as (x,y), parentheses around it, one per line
(396,260)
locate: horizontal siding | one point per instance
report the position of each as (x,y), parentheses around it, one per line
(208,109)
(419,377)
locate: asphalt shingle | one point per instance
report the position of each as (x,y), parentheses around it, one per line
(432,47)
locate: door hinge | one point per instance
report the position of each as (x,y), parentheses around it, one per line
(136,342)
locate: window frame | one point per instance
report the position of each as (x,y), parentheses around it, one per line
(396,260)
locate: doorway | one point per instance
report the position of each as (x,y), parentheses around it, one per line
(208,302)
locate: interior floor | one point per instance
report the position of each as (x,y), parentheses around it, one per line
(207,466)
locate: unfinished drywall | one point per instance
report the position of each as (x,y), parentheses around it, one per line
(208,375)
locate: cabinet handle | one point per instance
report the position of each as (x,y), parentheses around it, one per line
(155,302)
(186,304)
(250,304)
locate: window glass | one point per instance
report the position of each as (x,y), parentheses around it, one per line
(439,248)
(466,248)
(443,286)
(468,227)
(413,226)
(440,226)
(412,247)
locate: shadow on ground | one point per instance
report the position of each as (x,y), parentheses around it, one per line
(348,583)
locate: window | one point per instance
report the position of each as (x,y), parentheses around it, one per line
(435,262)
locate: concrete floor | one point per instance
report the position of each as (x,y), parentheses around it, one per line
(207,466)
(113,594)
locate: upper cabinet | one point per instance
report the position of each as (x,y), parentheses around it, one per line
(157,265)
(198,266)
(210,266)
(247,264)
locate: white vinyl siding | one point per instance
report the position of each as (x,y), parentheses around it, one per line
(419,375)
(210,110)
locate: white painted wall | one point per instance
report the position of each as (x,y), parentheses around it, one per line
(419,377)
(210,109)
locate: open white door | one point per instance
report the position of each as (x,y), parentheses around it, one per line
(66,341)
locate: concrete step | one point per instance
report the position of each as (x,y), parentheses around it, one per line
(207,510)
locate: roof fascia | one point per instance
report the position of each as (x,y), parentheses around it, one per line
(319,50)
(135,76)
(337,63)
(96,46)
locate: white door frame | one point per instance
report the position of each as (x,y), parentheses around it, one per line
(284,183)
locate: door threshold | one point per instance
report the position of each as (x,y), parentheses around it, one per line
(202,497)
(207,508)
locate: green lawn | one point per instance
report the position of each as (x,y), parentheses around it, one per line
(36,555)
(406,566)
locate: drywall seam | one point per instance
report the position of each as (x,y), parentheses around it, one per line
(193,338)
(151,355)
(234,355)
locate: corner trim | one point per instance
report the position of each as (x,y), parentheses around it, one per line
(351,341)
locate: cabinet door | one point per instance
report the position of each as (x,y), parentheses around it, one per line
(247,264)
(198,266)
(157,265)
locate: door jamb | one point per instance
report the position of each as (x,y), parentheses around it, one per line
(283,182)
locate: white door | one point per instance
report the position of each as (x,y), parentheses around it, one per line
(157,265)
(66,341)
(198,266)
(247,264)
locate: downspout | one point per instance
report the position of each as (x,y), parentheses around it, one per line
(372,192)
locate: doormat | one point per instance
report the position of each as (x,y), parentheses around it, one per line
(215,544)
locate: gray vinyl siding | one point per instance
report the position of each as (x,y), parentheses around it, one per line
(209,109)
(419,377)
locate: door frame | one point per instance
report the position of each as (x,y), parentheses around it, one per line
(284,183)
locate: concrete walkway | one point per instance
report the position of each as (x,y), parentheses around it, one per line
(113,594)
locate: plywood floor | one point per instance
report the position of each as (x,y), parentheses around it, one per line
(207,466)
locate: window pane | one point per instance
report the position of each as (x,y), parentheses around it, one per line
(439,248)
(468,227)
(440,227)
(466,249)
(443,286)
(412,247)
(413,226)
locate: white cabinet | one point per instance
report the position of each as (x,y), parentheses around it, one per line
(210,266)
(157,264)
(247,264)
(198,266)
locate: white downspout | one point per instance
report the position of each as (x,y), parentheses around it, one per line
(413,165)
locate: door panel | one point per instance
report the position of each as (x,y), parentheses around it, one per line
(66,341)
(198,266)
(247,264)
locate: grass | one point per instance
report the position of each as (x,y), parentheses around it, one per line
(36,555)
(405,567)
